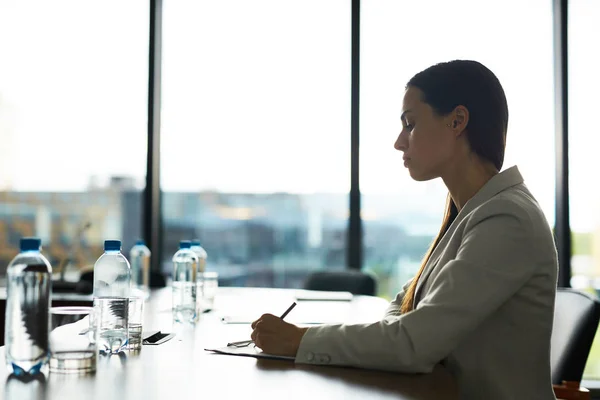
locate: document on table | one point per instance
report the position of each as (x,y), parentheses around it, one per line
(248,351)
(317,295)
(248,319)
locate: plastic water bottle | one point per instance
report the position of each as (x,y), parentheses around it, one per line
(185,268)
(112,288)
(201,253)
(29,287)
(202,256)
(139,257)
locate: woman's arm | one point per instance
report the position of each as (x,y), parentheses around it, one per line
(494,260)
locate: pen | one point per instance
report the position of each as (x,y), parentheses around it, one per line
(247,342)
(290,308)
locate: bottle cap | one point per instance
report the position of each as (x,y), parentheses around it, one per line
(185,244)
(140,242)
(30,243)
(112,245)
(195,242)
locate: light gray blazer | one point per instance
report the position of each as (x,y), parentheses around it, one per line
(484,304)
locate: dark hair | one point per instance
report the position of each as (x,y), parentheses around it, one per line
(450,84)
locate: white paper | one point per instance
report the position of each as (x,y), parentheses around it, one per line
(316,295)
(248,351)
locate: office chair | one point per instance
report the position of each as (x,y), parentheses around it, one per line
(355,282)
(576,316)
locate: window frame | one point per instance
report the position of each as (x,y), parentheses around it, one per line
(152,225)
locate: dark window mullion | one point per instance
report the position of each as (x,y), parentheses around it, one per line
(354,242)
(152,217)
(561,90)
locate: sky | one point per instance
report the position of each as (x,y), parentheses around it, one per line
(256,95)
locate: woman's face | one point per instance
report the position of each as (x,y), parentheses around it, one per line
(426,140)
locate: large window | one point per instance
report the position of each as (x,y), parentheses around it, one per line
(256,136)
(584,86)
(73,100)
(401,38)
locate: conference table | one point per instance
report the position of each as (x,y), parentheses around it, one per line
(181,368)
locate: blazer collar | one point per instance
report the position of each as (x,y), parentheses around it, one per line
(498,183)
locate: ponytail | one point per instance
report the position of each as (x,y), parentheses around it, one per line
(449,217)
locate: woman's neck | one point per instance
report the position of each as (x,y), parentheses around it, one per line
(465,179)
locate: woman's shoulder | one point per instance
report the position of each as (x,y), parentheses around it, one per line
(517,215)
(516,202)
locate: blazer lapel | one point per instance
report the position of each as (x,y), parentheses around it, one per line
(433,260)
(495,185)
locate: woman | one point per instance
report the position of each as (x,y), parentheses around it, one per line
(482,303)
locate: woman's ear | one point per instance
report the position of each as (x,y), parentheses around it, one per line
(460,119)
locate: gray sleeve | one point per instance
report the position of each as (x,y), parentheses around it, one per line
(493,261)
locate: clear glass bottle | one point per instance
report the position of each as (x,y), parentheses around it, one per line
(28,298)
(112,288)
(201,253)
(202,256)
(185,270)
(139,258)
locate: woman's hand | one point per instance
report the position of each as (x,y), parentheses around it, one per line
(275,336)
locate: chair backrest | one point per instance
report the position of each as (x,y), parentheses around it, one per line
(355,282)
(576,316)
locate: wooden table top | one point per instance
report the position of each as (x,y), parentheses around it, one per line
(181,369)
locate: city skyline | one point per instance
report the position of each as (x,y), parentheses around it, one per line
(252,239)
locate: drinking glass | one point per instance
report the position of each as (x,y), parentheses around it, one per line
(73,340)
(136,320)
